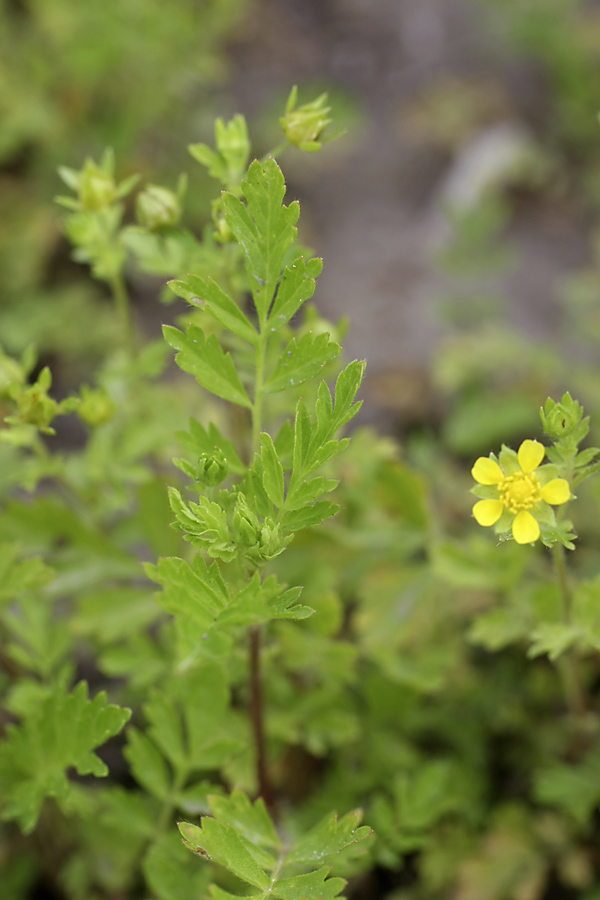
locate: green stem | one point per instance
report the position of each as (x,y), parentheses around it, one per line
(123,307)
(569,662)
(276,151)
(257,408)
(257,716)
(254,632)
(169,804)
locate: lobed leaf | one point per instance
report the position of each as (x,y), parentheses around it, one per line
(302,360)
(328,838)
(297,285)
(205,359)
(264,229)
(61,733)
(207,295)
(272,470)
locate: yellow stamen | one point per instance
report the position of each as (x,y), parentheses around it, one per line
(519,491)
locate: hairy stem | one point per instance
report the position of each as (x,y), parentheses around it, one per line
(569,663)
(257,717)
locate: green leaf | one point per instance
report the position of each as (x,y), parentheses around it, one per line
(346,387)
(171,873)
(553,638)
(303,431)
(205,359)
(226,846)
(308,491)
(241,837)
(17,576)
(206,294)
(60,734)
(251,819)
(272,470)
(313,886)
(147,764)
(264,229)
(574,788)
(310,515)
(297,285)
(195,591)
(302,360)
(323,842)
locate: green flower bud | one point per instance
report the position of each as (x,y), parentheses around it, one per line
(35,406)
(97,188)
(246,529)
(158,208)
(96,407)
(304,126)
(212,470)
(560,420)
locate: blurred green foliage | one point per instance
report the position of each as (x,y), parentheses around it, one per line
(444,684)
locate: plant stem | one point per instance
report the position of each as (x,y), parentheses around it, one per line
(123,307)
(254,632)
(258,392)
(257,717)
(569,662)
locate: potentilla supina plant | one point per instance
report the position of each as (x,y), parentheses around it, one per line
(516,494)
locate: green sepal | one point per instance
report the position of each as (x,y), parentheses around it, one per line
(205,359)
(198,441)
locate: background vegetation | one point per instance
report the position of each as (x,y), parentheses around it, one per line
(446,686)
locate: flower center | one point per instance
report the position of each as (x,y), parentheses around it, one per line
(519,491)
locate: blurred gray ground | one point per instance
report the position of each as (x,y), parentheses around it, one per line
(373,208)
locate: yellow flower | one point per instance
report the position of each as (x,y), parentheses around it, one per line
(517,490)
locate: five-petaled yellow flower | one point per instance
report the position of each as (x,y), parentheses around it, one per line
(518,491)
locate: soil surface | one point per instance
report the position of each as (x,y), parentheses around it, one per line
(372,202)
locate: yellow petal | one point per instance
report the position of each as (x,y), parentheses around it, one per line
(556,491)
(530,455)
(487,512)
(525,528)
(487,471)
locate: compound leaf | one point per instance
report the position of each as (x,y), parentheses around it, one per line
(60,734)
